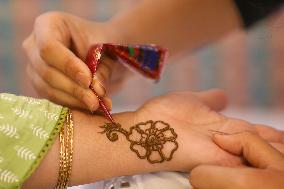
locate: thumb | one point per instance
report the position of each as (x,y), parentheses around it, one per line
(215,99)
(255,150)
(217,177)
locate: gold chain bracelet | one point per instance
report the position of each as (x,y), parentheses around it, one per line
(66,153)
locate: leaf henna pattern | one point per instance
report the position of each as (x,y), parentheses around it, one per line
(151,140)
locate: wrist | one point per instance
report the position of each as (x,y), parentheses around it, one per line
(113,156)
(95,157)
(172,158)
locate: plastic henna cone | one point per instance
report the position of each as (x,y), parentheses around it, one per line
(92,61)
(147,60)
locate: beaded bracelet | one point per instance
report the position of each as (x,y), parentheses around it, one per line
(66,153)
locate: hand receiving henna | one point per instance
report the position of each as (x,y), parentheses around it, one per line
(168,133)
(191,116)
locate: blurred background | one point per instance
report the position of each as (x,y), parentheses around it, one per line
(248,65)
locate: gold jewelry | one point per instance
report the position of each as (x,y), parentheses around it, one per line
(66,152)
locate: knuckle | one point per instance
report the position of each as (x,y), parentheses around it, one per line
(105,69)
(101,78)
(44,49)
(40,89)
(50,94)
(70,68)
(29,71)
(247,134)
(25,44)
(46,74)
(50,15)
(77,92)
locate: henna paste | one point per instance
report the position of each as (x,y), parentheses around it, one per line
(151,140)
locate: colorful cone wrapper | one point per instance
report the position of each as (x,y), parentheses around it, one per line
(147,60)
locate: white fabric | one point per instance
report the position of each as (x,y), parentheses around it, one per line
(162,180)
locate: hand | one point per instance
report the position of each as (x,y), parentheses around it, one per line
(189,114)
(193,115)
(57,48)
(266,170)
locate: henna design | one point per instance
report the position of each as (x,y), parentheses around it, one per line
(154,141)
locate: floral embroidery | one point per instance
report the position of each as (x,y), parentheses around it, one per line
(9,131)
(8,176)
(22,113)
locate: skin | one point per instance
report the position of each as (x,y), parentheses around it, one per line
(190,114)
(58,39)
(266,168)
(58,44)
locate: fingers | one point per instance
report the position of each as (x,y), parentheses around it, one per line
(46,91)
(58,73)
(269,133)
(215,99)
(216,177)
(57,81)
(52,39)
(60,82)
(61,58)
(255,150)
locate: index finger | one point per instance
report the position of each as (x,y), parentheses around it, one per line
(57,55)
(52,40)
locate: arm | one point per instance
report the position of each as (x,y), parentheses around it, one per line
(95,157)
(58,45)
(177,25)
(191,115)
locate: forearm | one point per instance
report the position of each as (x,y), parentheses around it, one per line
(95,157)
(177,25)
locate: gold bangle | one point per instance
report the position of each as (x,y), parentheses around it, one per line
(66,152)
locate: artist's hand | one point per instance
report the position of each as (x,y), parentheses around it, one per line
(266,170)
(193,115)
(57,48)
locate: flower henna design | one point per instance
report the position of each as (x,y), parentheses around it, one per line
(154,141)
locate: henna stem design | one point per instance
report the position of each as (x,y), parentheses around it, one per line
(154,141)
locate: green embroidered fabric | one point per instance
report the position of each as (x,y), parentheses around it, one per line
(28,128)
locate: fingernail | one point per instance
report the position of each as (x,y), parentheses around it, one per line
(99,88)
(218,132)
(83,80)
(90,101)
(108,103)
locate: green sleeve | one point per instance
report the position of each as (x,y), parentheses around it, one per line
(28,128)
